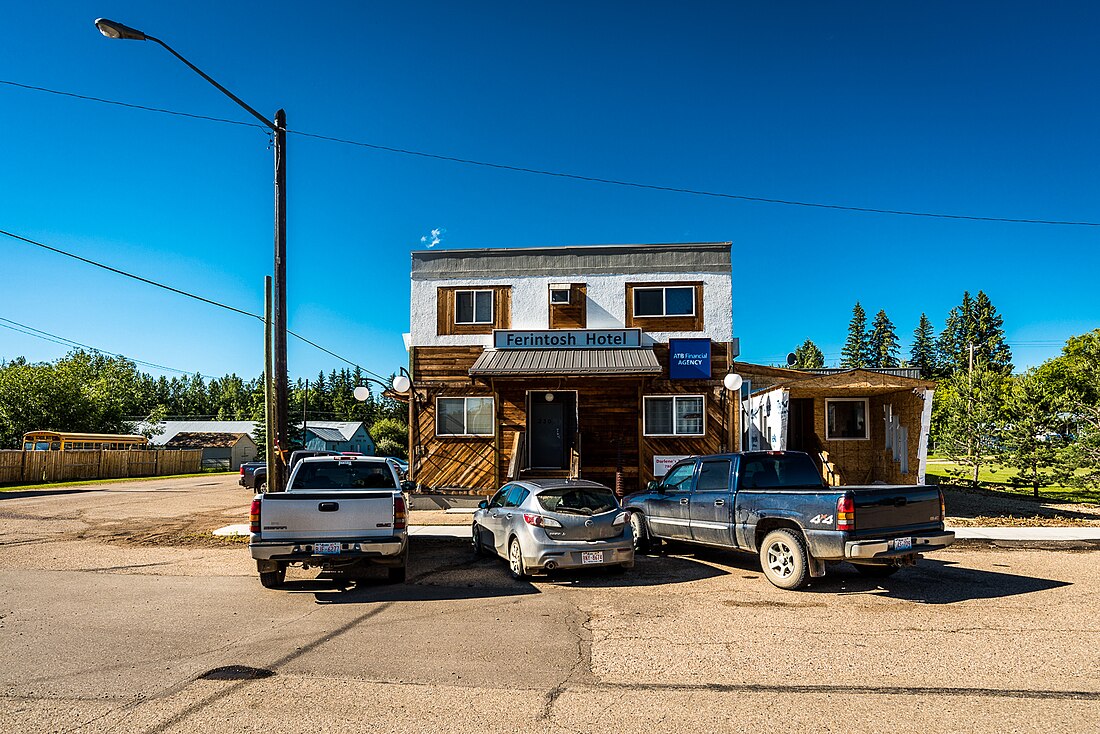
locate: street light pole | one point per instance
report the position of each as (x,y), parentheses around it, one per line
(278,371)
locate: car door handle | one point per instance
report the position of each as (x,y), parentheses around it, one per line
(328,506)
(508,516)
(684,500)
(719,503)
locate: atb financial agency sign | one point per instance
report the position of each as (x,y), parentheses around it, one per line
(689,359)
(568,339)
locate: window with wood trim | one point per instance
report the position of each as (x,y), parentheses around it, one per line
(674,415)
(464,416)
(472,310)
(568,311)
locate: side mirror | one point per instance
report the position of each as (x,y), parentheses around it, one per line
(408,486)
(483,505)
(654,486)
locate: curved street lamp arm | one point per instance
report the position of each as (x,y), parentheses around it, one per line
(267,123)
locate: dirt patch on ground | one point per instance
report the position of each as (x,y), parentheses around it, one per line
(194,531)
(982,507)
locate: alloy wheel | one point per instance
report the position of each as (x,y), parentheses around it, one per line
(781,559)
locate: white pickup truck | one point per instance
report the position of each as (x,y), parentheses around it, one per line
(339,513)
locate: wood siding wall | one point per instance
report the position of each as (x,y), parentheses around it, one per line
(572,315)
(665,323)
(609,420)
(445,310)
(30,467)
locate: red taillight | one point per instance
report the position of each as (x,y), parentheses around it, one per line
(531,519)
(400,516)
(943,508)
(254,517)
(242,470)
(846,513)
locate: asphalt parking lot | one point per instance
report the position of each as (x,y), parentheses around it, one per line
(120,613)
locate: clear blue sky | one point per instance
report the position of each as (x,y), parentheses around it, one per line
(990,109)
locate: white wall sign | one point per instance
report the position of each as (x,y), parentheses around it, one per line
(568,339)
(661,464)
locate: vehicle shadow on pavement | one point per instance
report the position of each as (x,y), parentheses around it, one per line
(445,569)
(932,581)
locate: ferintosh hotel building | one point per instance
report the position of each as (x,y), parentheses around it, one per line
(568,362)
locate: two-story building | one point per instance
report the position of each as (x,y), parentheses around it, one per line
(597,361)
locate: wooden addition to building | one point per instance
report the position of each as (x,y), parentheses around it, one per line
(556,362)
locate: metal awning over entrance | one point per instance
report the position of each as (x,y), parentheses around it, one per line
(535,362)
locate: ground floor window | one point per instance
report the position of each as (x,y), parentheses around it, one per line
(464,417)
(846,419)
(674,415)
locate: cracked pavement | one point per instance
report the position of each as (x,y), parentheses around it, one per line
(110,615)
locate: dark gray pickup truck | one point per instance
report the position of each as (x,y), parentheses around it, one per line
(775,504)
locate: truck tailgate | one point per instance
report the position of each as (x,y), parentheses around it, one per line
(882,510)
(326,515)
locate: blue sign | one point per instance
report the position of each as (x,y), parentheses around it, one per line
(689,359)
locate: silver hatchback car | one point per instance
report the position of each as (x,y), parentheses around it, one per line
(544,525)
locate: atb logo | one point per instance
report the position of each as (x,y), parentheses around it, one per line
(821,520)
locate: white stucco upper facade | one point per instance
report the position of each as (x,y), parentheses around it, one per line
(605,293)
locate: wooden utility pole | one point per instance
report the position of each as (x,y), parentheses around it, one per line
(277,478)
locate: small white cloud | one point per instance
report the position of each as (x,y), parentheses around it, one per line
(434,237)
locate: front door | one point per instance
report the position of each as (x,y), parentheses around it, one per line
(547,435)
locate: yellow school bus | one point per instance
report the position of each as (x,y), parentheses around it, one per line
(55,441)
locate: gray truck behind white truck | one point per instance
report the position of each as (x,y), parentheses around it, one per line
(340,514)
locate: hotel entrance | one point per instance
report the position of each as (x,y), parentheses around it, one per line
(551,428)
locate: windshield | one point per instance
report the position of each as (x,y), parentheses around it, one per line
(779,471)
(343,475)
(578,500)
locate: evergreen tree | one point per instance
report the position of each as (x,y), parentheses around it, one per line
(970,420)
(808,356)
(856,348)
(988,336)
(1031,407)
(883,342)
(923,353)
(974,322)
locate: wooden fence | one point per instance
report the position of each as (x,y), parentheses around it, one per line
(30,467)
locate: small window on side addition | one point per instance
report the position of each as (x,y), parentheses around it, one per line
(559,294)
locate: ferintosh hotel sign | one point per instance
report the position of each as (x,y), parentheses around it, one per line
(568,339)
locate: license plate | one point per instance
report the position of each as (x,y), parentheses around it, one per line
(903,544)
(326,549)
(592,557)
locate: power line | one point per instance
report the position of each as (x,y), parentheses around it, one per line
(573,176)
(66,342)
(187,294)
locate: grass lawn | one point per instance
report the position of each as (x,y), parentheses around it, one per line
(87,482)
(999,478)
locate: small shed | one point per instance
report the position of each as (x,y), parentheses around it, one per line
(219,450)
(862,426)
(338,436)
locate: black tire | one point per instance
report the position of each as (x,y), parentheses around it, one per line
(396,574)
(261,487)
(273,579)
(643,542)
(876,570)
(515,560)
(475,540)
(784,560)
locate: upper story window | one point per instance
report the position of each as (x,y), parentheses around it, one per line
(664,301)
(474,307)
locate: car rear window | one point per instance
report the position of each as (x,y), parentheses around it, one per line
(779,471)
(578,500)
(343,475)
